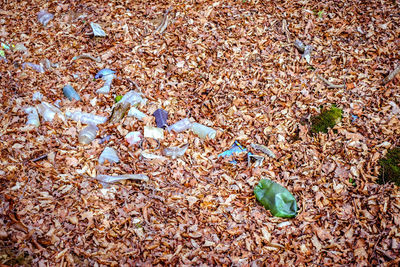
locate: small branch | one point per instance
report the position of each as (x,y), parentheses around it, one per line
(391,75)
(330,85)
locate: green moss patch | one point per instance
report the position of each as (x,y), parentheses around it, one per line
(327,119)
(390,167)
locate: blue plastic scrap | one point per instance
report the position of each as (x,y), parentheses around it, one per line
(236,148)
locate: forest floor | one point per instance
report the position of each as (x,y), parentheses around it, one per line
(230,65)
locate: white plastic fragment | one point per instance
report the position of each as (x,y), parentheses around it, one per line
(37,67)
(109,154)
(86,118)
(175,152)
(134,112)
(48,111)
(153,132)
(133,137)
(33,117)
(112,179)
(37,96)
(44,17)
(97,30)
(283,224)
(151,156)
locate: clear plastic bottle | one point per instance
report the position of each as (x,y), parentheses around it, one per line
(88,134)
(48,111)
(86,118)
(203,131)
(180,126)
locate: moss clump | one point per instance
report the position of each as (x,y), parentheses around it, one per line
(327,119)
(390,167)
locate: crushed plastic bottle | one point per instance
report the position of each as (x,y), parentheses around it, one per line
(97,30)
(180,126)
(276,198)
(48,111)
(161,118)
(109,154)
(88,134)
(70,93)
(153,132)
(133,137)
(86,118)
(134,112)
(33,117)
(118,112)
(113,179)
(44,17)
(203,131)
(175,152)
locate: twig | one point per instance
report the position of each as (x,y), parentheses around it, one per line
(87,56)
(330,85)
(286,30)
(39,158)
(164,23)
(391,75)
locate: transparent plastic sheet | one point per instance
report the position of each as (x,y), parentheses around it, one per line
(134,112)
(108,179)
(88,134)
(44,17)
(203,131)
(109,154)
(97,30)
(33,117)
(175,152)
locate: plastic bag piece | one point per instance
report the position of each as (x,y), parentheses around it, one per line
(33,117)
(175,152)
(109,154)
(103,73)
(235,149)
(86,118)
(70,93)
(276,198)
(133,137)
(44,17)
(37,96)
(180,126)
(161,118)
(133,98)
(97,30)
(113,179)
(37,67)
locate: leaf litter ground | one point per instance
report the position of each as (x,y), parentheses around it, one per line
(230,65)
